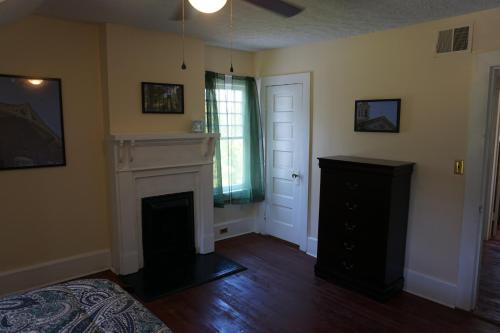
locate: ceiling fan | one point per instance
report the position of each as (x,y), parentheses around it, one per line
(279,7)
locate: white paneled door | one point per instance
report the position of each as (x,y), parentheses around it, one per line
(286,105)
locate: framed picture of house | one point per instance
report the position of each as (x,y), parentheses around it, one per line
(31,123)
(162,98)
(377,115)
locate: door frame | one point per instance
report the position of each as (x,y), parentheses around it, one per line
(491,227)
(491,155)
(305,80)
(480,141)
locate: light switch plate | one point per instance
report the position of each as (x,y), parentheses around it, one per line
(459,167)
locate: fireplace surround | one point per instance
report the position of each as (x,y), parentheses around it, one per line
(154,165)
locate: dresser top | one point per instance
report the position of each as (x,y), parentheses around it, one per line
(363,160)
(370,165)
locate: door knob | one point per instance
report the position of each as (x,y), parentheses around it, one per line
(295,176)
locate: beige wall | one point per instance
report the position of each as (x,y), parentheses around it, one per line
(219,60)
(435,93)
(53,213)
(135,55)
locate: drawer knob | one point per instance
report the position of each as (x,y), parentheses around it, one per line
(347,266)
(350,226)
(352,186)
(351,206)
(349,246)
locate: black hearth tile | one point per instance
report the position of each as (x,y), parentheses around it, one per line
(149,285)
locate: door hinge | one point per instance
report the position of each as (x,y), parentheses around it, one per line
(480,209)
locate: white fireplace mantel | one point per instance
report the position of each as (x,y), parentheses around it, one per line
(145,165)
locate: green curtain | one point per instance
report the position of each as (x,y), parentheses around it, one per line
(212,126)
(253,150)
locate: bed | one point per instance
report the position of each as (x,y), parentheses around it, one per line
(93,305)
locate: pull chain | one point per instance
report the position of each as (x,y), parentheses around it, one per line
(231,69)
(183,67)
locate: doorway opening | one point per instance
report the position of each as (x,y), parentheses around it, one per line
(488,291)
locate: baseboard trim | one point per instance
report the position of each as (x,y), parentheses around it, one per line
(54,271)
(430,288)
(312,246)
(235,228)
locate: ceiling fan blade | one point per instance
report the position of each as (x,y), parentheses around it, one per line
(279,7)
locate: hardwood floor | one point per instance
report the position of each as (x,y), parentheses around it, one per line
(488,304)
(279,293)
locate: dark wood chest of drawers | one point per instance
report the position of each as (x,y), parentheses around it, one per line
(362,223)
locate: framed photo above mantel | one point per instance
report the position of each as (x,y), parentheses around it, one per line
(377,115)
(31,123)
(164,98)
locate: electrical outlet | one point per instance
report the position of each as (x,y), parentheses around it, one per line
(223,231)
(459,167)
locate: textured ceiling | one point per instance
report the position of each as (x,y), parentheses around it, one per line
(257,29)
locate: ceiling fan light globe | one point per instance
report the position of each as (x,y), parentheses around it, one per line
(208,6)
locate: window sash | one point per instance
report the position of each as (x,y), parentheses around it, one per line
(231,128)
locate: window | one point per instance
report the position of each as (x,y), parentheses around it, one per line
(230,111)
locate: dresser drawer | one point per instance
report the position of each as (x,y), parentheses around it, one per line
(355,182)
(346,264)
(353,242)
(353,216)
(338,260)
(337,232)
(354,194)
(357,263)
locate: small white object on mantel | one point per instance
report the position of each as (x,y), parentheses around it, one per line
(146,165)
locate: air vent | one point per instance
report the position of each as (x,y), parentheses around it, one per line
(453,40)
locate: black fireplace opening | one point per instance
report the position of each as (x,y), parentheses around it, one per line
(167,230)
(171,263)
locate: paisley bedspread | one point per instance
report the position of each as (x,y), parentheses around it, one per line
(77,306)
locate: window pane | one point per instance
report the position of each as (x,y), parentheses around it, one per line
(232,166)
(230,95)
(222,120)
(224,132)
(235,119)
(222,106)
(238,108)
(238,95)
(230,110)
(229,107)
(236,131)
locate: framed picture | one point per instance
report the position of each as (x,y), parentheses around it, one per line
(31,123)
(377,115)
(162,98)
